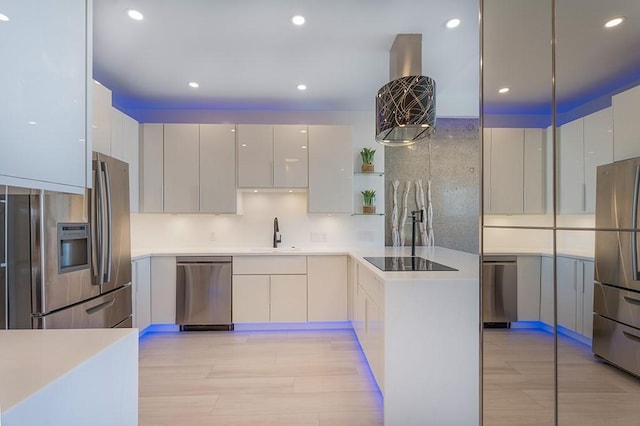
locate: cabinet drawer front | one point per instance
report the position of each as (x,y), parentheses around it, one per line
(617,343)
(616,304)
(369,283)
(269,265)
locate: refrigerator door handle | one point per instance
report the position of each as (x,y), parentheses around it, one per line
(100,307)
(634,222)
(101,223)
(109,223)
(93,226)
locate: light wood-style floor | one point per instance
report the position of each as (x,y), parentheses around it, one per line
(256,378)
(518,383)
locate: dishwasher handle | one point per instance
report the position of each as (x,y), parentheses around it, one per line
(195,260)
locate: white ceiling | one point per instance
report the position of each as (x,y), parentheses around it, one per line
(246,54)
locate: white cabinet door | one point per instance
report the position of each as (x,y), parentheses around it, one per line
(534,170)
(330,169)
(528,288)
(130,154)
(142,291)
(625,124)
(507,170)
(117,137)
(567,292)
(250,298)
(101,119)
(163,290)
(327,287)
(151,168)
(255,155)
(45,87)
(288,296)
(546,291)
(598,150)
(587,299)
(181,170)
(217,168)
(290,156)
(572,190)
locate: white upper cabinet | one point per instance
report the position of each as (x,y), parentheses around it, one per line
(131,154)
(272,156)
(151,168)
(290,157)
(117,136)
(101,119)
(514,170)
(330,169)
(585,144)
(255,155)
(45,87)
(626,142)
(181,170)
(571,161)
(217,168)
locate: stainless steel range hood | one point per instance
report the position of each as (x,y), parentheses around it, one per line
(406,106)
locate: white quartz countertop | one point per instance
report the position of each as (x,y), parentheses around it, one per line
(236,251)
(32,359)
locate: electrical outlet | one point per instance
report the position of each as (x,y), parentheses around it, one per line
(319,237)
(212,236)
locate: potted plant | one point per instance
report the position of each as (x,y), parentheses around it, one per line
(369,197)
(367,159)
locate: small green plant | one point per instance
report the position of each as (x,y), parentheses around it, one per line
(367,155)
(369,197)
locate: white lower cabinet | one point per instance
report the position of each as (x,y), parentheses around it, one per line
(575,295)
(327,287)
(269,289)
(528,288)
(250,298)
(141,274)
(546,291)
(163,290)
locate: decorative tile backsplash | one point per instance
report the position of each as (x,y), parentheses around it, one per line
(453,168)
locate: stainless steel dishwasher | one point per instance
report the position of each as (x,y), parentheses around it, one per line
(203,293)
(499,291)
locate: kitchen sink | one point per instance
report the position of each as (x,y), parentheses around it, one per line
(271,249)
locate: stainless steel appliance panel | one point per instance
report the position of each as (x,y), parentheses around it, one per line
(203,291)
(616,260)
(104,311)
(499,289)
(3,260)
(55,289)
(617,343)
(617,304)
(109,212)
(617,195)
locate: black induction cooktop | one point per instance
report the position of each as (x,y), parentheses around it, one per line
(407,263)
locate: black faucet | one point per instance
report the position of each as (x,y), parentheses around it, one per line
(416,216)
(277,238)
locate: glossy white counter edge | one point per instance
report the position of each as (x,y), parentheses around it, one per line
(69,377)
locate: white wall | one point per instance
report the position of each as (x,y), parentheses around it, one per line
(254,228)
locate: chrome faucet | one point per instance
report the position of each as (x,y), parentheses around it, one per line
(277,238)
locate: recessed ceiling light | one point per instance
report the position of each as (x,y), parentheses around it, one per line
(134,14)
(452,23)
(303,147)
(303,131)
(244,144)
(255,190)
(298,20)
(194,84)
(503,90)
(3,17)
(615,22)
(33,122)
(302,87)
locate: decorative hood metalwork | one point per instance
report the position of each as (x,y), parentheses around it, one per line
(406,106)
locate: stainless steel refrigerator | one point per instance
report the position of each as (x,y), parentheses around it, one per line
(616,322)
(68,257)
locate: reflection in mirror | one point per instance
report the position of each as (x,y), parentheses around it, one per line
(517,107)
(598,96)
(518,348)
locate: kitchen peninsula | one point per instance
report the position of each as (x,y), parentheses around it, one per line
(419,331)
